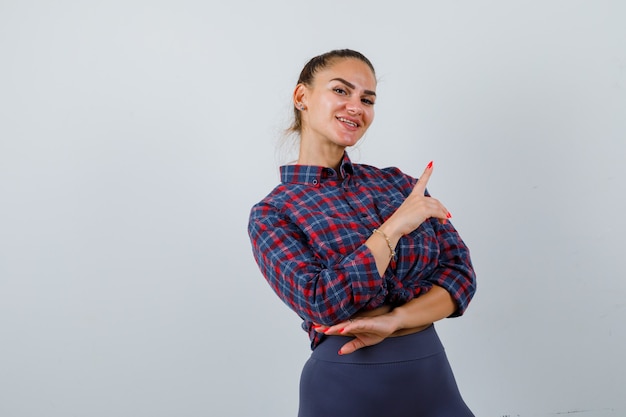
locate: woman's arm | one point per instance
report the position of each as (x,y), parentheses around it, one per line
(452,285)
(316,289)
(433,306)
(455,272)
(413,316)
(449,288)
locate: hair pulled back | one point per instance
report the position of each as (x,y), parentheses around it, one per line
(316,64)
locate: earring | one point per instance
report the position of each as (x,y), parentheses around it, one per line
(301,107)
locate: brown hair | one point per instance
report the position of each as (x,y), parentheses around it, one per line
(318,63)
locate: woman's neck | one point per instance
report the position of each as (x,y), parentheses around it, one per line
(328,156)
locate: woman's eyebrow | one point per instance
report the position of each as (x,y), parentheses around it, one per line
(349,84)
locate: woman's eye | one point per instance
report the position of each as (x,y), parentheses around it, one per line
(367,101)
(340,91)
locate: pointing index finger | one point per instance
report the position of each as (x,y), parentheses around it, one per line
(420,186)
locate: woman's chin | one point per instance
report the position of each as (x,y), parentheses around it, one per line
(349,140)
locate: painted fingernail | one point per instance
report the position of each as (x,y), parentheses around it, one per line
(430,165)
(339,352)
(448,215)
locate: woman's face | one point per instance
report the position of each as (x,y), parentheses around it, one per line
(339,104)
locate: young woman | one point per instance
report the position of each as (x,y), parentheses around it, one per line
(364,256)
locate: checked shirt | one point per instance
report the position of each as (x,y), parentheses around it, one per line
(308,238)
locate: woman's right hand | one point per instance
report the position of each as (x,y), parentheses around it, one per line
(415,209)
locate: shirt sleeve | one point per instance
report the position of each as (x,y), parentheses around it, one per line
(316,290)
(454,271)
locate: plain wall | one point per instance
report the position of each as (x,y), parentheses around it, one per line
(136,135)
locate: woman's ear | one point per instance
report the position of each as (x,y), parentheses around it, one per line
(299,97)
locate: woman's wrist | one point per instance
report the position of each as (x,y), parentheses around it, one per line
(397,319)
(392,251)
(391,232)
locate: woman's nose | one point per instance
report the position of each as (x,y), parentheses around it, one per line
(354,108)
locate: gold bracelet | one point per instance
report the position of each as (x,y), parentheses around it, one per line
(392,253)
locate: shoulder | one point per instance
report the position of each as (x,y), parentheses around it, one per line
(277,201)
(274,199)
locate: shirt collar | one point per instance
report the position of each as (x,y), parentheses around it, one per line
(314,175)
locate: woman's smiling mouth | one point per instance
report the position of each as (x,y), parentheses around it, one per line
(348,122)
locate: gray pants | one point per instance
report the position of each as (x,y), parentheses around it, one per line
(407,376)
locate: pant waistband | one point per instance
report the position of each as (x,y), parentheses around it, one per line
(393,349)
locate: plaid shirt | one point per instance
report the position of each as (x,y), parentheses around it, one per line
(308,238)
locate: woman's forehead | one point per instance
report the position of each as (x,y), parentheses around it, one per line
(352,70)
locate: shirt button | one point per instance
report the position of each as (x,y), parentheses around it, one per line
(314,182)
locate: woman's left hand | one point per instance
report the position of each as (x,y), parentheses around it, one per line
(367,331)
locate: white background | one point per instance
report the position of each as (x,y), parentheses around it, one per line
(136,135)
